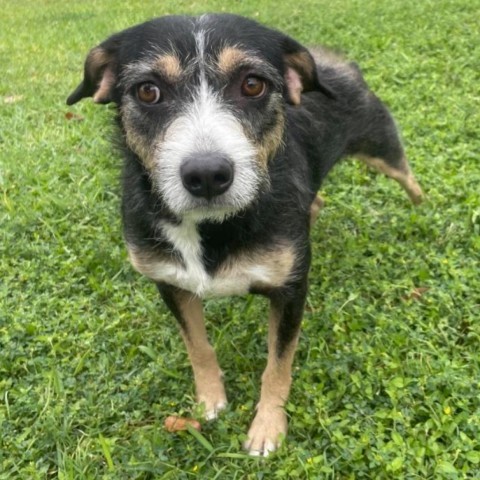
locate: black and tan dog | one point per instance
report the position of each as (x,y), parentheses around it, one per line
(228,128)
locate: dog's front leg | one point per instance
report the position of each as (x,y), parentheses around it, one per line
(188,310)
(270,422)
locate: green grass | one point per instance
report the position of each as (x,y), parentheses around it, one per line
(386,383)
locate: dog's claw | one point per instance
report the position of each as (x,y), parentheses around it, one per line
(213,401)
(267,448)
(213,412)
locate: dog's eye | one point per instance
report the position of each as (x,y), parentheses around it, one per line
(148,93)
(253,87)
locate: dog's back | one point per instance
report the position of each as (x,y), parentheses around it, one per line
(352,121)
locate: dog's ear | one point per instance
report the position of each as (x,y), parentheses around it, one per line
(301,72)
(99,75)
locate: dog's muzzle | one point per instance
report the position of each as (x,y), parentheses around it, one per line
(206,175)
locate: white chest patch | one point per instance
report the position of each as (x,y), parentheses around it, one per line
(235,276)
(186,240)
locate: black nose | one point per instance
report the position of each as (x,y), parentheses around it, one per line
(206,174)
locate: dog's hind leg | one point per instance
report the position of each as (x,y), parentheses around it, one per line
(379,146)
(188,310)
(315,208)
(400,172)
(270,423)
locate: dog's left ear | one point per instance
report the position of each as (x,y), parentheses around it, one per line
(99,75)
(301,72)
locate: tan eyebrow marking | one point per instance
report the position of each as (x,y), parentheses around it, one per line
(170,67)
(230,57)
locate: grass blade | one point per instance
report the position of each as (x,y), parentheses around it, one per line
(200,438)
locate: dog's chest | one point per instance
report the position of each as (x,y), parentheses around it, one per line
(236,275)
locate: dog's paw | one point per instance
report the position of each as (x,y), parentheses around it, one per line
(267,431)
(212,409)
(212,401)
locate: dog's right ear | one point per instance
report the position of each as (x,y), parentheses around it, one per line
(99,75)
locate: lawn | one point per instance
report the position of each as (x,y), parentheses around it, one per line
(387,375)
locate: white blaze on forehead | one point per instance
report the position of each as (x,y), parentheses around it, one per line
(200,38)
(205,126)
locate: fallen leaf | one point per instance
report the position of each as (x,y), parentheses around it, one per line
(416,293)
(74,116)
(176,424)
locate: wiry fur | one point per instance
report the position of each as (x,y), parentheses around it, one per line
(280,145)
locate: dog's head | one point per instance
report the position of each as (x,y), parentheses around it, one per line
(201,102)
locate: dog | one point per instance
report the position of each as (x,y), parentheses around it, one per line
(228,129)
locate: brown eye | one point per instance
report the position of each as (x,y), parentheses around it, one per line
(148,93)
(253,87)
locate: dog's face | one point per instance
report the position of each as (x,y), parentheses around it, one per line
(202,104)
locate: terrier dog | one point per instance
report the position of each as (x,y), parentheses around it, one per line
(228,129)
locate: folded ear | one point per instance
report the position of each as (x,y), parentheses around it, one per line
(99,76)
(301,72)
